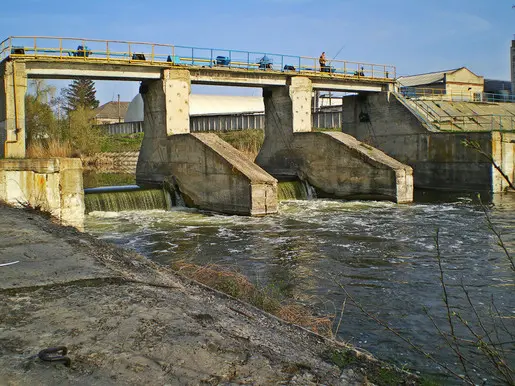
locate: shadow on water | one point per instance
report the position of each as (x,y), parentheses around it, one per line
(427,196)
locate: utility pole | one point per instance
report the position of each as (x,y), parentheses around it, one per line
(119,115)
(512,63)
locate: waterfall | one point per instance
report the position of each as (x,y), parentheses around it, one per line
(173,192)
(295,190)
(116,199)
(311,191)
(178,200)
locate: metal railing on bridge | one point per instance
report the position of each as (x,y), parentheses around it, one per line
(62,48)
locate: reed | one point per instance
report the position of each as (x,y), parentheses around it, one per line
(235,284)
(249,142)
(51,148)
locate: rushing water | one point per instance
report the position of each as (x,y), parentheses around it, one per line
(382,253)
(129,197)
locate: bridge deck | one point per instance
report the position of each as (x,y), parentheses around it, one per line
(65,58)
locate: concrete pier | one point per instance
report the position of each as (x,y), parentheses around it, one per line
(335,164)
(13,86)
(338,165)
(287,111)
(208,172)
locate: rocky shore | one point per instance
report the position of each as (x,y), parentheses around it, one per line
(128,321)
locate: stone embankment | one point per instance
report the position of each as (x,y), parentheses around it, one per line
(128,321)
(122,162)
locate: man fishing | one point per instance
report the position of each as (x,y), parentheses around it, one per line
(322,60)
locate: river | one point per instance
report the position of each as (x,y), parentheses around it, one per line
(383,254)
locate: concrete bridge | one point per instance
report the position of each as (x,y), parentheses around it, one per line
(206,170)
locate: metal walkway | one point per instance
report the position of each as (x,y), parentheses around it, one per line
(72,50)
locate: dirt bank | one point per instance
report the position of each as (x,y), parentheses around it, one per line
(126,320)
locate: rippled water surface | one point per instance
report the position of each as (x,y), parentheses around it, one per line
(384,254)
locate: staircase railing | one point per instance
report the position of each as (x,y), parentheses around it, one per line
(423,119)
(432,119)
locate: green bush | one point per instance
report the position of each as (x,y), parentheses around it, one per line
(121,142)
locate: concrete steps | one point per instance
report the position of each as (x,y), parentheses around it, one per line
(465,116)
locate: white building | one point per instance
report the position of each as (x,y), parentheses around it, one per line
(203,104)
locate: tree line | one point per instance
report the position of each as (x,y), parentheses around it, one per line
(61,124)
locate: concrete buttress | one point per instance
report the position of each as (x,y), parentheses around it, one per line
(208,172)
(335,164)
(13,86)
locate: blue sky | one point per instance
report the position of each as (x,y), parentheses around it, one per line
(415,36)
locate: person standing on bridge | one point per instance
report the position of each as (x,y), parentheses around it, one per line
(322,60)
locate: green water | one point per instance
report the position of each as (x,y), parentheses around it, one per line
(93,178)
(150,199)
(144,199)
(293,190)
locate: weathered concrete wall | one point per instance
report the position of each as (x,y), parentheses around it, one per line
(341,166)
(335,163)
(445,163)
(503,152)
(13,86)
(439,160)
(287,111)
(210,174)
(52,185)
(368,116)
(166,103)
(208,171)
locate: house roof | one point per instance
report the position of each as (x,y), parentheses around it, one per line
(425,79)
(110,110)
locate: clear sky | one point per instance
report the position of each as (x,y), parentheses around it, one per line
(415,36)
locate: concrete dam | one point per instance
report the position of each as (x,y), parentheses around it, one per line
(207,171)
(430,135)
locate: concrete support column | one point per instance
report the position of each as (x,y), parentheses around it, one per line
(390,87)
(503,154)
(300,91)
(166,104)
(13,86)
(287,111)
(165,113)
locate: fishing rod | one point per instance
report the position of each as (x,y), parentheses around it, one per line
(340,50)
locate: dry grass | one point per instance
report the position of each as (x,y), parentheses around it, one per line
(249,142)
(300,315)
(49,149)
(226,280)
